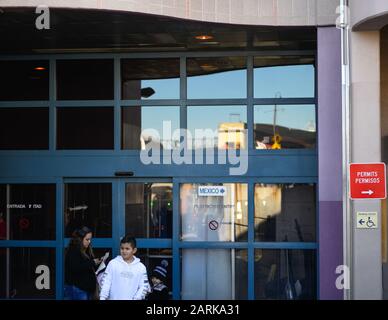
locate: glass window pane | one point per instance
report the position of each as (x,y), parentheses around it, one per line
(222,77)
(88,204)
(285,274)
(285,126)
(150,79)
(285,212)
(23,271)
(214,274)
(85,79)
(212,212)
(85,128)
(148,210)
(24,128)
(24,80)
(153,258)
(284,77)
(150,126)
(223,127)
(27,211)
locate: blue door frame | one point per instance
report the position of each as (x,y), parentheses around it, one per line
(118,216)
(118,225)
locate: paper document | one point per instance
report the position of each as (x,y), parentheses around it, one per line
(102,265)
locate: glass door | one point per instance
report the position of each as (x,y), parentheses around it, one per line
(148,216)
(213,240)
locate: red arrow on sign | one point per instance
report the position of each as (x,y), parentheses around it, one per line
(367,180)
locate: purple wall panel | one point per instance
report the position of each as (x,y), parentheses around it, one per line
(329,161)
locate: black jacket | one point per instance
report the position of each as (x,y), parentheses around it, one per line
(80,271)
(159,292)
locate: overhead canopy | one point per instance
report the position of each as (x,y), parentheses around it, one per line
(81,30)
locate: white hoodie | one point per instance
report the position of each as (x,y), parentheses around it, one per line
(124,281)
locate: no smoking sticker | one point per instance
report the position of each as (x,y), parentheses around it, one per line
(213,225)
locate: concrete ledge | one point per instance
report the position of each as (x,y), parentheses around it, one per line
(248,12)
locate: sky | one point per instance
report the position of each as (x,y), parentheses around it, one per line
(269,82)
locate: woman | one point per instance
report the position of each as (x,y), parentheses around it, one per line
(80,267)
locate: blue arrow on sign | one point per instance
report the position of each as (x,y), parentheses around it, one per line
(361,221)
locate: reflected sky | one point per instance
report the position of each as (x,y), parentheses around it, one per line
(291,116)
(153,117)
(286,81)
(293,81)
(225,85)
(164,88)
(203,117)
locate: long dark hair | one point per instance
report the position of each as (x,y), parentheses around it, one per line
(76,242)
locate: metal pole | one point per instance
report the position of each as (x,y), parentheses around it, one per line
(233,210)
(346,152)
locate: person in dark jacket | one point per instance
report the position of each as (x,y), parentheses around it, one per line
(80,266)
(158,277)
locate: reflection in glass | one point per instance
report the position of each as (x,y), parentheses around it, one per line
(24,80)
(148,210)
(85,128)
(27,211)
(284,76)
(150,78)
(85,79)
(214,274)
(88,204)
(19,270)
(285,274)
(285,212)
(153,258)
(284,126)
(151,127)
(222,127)
(214,218)
(222,77)
(24,128)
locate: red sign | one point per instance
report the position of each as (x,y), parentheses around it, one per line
(367,181)
(24,223)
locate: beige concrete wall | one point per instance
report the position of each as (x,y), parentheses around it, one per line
(366,147)
(384,146)
(384,82)
(368,14)
(254,12)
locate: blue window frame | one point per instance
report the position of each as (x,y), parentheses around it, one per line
(53,166)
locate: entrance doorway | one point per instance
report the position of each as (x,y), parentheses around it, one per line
(112,208)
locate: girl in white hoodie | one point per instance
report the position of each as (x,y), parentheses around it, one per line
(125,277)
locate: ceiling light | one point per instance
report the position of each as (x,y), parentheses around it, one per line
(204,37)
(208,67)
(39,68)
